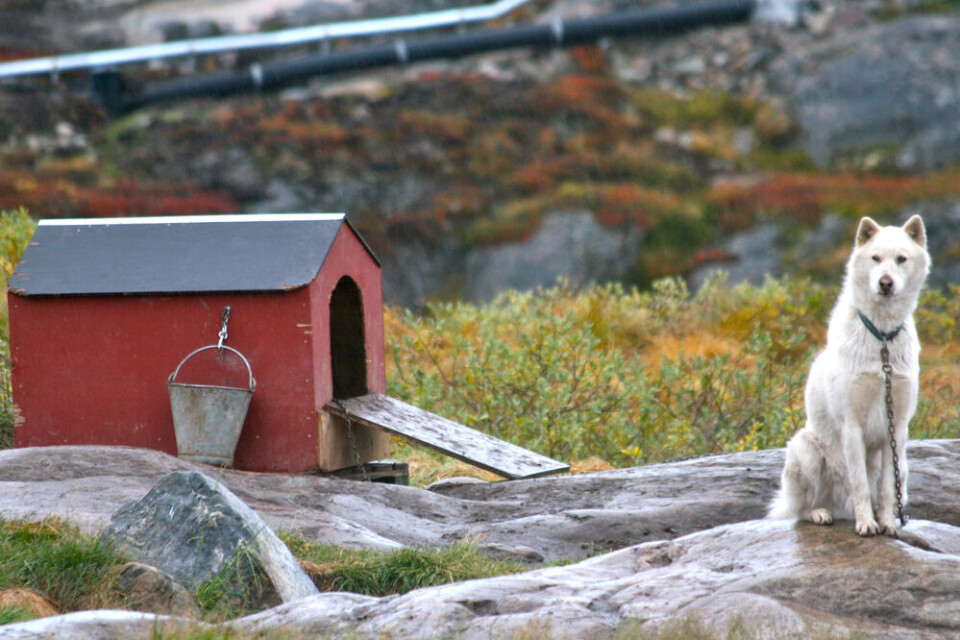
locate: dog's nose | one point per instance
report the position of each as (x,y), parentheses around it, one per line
(886,285)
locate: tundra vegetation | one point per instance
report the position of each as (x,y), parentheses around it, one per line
(602,376)
(608,375)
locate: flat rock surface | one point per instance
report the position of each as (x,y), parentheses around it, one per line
(561,517)
(776,579)
(705,554)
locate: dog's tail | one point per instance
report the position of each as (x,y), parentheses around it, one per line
(781,507)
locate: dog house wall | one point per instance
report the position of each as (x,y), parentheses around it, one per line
(91,351)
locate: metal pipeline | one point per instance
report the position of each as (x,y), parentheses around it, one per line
(661,21)
(320,33)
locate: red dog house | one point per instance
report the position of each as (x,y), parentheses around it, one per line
(102,311)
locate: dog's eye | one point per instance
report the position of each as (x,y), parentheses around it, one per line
(876,258)
(901,259)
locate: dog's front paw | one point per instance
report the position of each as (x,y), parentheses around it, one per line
(888,527)
(867,527)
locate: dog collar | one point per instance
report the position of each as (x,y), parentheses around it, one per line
(879,335)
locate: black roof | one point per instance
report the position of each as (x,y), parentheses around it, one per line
(189,254)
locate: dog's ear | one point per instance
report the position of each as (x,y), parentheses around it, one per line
(915,229)
(867,229)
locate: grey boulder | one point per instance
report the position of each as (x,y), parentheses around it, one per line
(193,528)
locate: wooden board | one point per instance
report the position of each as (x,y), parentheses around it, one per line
(336,449)
(446,436)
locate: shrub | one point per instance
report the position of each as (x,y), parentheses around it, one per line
(16,229)
(521,368)
(575,375)
(635,377)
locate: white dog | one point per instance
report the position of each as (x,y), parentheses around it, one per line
(840,465)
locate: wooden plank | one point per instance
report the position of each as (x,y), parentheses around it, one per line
(448,437)
(335,450)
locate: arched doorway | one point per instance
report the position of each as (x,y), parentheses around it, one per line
(348,354)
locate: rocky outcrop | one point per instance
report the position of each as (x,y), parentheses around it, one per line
(890,90)
(686,543)
(776,579)
(560,518)
(569,245)
(192,527)
(750,258)
(772,579)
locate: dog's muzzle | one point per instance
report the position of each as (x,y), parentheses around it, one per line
(886,286)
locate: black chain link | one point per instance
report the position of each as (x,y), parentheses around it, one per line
(888,399)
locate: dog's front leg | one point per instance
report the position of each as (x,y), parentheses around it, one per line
(887,498)
(904,405)
(887,502)
(855,460)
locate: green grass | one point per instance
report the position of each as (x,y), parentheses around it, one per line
(10,615)
(239,589)
(76,572)
(379,573)
(54,559)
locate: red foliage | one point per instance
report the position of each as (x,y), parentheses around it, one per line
(590,59)
(57,198)
(628,202)
(595,98)
(806,196)
(425,124)
(798,194)
(431,76)
(585,89)
(465,201)
(709,255)
(536,176)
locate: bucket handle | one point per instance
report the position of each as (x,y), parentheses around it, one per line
(253,383)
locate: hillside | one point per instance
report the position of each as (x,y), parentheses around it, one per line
(750,148)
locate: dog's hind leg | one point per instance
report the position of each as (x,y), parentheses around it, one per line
(819,515)
(802,483)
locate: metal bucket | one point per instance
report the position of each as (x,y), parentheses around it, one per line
(208,419)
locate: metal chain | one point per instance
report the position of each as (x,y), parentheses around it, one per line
(224,319)
(353,442)
(888,398)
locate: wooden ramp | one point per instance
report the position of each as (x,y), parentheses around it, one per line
(446,436)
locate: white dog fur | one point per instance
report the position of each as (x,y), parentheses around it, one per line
(840,464)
